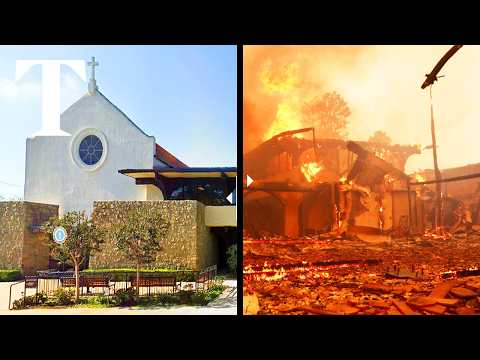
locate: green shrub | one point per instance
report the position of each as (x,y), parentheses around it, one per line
(184,297)
(217,287)
(10,275)
(232,258)
(124,297)
(29,301)
(158,299)
(200,298)
(119,274)
(206,296)
(166,299)
(97,300)
(62,296)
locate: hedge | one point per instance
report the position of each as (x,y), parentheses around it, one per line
(10,275)
(118,274)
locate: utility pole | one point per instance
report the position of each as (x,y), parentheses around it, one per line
(438,175)
(431,78)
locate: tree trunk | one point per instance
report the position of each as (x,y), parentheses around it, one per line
(77,281)
(138,279)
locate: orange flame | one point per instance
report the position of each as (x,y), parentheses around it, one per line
(283,82)
(279,81)
(287,118)
(309,170)
(419,178)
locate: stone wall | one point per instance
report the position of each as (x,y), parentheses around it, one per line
(207,247)
(11,234)
(189,243)
(21,247)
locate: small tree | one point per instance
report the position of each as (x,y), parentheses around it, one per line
(83,237)
(380,138)
(328,115)
(232,258)
(140,236)
(379,143)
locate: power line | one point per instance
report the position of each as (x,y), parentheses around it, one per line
(8,184)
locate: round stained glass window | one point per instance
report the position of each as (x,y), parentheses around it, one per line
(90,150)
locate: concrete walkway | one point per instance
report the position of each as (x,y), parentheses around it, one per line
(226,304)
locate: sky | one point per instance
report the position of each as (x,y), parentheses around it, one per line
(381,85)
(185,96)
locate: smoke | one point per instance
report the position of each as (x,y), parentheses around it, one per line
(381,85)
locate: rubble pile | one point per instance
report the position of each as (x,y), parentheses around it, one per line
(363,275)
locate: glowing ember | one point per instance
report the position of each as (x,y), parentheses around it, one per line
(389,179)
(419,178)
(309,170)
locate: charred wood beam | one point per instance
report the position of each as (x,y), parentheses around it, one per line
(260,268)
(432,77)
(461,273)
(281,186)
(292,132)
(409,209)
(357,149)
(370,161)
(456,178)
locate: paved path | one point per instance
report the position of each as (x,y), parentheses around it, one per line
(226,304)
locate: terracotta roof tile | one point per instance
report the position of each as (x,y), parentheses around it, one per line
(163,155)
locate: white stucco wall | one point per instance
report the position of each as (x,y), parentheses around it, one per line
(219,216)
(153,193)
(53,177)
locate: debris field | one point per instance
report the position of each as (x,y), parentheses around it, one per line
(362,275)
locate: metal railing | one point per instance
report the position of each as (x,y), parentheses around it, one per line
(49,281)
(30,282)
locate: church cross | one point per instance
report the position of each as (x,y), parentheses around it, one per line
(93,63)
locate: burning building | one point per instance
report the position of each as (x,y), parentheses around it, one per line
(342,193)
(309,186)
(466,190)
(337,227)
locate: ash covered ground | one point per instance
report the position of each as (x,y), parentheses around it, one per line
(362,275)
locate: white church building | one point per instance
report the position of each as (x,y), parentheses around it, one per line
(104,152)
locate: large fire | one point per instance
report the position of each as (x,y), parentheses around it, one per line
(287,118)
(310,170)
(282,82)
(338,258)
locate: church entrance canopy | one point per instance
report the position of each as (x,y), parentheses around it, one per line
(211,186)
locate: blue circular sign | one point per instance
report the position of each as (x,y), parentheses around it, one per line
(59,235)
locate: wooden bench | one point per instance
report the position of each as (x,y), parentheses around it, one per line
(168,281)
(206,277)
(88,282)
(201,280)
